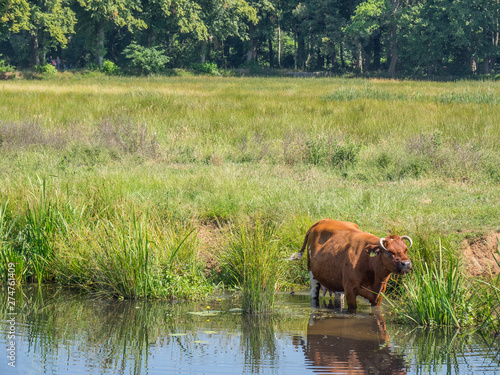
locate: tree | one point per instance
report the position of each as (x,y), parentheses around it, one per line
(224,19)
(50,22)
(118,13)
(14,16)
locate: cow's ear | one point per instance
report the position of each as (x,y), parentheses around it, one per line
(373,250)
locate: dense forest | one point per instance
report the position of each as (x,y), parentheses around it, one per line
(410,37)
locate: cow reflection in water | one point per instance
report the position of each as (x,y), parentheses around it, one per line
(347,344)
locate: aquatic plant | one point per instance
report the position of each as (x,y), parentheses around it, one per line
(251,260)
(438,294)
(131,256)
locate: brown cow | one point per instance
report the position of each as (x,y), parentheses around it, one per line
(344,259)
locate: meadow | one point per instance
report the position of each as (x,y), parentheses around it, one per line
(170,187)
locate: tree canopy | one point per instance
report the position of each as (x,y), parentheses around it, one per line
(411,37)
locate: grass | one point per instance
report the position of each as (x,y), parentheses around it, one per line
(113,184)
(440,293)
(253,261)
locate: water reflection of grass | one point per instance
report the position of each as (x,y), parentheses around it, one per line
(124,334)
(431,350)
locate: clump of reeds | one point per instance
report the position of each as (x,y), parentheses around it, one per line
(251,259)
(131,257)
(441,294)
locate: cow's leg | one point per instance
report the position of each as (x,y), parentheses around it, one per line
(315,286)
(350,298)
(370,295)
(339,300)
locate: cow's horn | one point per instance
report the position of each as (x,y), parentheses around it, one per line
(409,240)
(381,243)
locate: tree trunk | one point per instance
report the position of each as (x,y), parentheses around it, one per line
(342,61)
(393,45)
(35,50)
(271,54)
(320,59)
(360,57)
(252,50)
(279,44)
(100,52)
(486,65)
(225,49)
(301,48)
(252,44)
(295,57)
(473,64)
(376,52)
(309,47)
(203,54)
(394,52)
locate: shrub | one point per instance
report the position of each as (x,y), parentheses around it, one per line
(110,68)
(206,68)
(46,70)
(4,67)
(146,59)
(93,66)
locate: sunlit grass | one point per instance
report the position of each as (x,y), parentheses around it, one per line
(253,261)
(102,180)
(440,293)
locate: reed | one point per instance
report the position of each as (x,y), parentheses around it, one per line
(441,294)
(251,260)
(131,257)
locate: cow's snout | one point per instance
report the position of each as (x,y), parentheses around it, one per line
(406,266)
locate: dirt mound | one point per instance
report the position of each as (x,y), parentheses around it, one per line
(482,254)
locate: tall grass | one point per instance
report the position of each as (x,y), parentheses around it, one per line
(439,293)
(194,152)
(131,257)
(252,260)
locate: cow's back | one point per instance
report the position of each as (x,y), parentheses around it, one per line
(328,251)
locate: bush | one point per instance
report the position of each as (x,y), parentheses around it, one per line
(206,68)
(110,68)
(147,60)
(47,70)
(92,66)
(324,151)
(5,68)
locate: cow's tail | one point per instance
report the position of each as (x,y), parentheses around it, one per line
(300,254)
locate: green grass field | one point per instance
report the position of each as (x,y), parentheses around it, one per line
(164,169)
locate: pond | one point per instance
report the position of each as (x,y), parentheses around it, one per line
(61,332)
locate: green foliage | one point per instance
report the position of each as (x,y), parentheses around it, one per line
(14,16)
(110,68)
(131,258)
(206,68)
(146,60)
(251,259)
(47,70)
(438,294)
(369,16)
(4,67)
(322,151)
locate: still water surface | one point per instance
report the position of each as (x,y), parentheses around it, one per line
(60,332)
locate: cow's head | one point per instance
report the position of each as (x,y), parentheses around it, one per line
(393,252)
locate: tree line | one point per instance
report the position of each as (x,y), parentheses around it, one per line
(420,37)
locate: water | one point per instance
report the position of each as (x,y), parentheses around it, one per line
(60,332)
